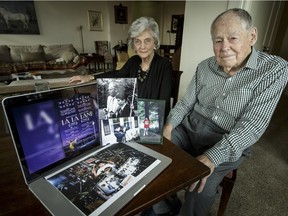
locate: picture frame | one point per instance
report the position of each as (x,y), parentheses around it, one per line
(174,23)
(121,15)
(18,17)
(95,21)
(151,120)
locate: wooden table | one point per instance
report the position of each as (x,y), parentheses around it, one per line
(16,199)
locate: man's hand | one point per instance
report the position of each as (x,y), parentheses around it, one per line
(167,131)
(206,161)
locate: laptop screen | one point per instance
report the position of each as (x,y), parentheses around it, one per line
(49,128)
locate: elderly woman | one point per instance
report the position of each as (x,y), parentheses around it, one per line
(154,73)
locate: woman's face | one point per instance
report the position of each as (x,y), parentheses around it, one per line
(144,45)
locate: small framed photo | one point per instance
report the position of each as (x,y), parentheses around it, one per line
(120,14)
(95,21)
(151,121)
(174,23)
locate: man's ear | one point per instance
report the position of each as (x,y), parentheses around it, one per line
(253,35)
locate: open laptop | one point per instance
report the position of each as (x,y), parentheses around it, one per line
(56,137)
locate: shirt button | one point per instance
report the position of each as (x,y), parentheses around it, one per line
(217,107)
(224,94)
(230,79)
(216,117)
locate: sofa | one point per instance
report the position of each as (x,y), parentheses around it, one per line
(39,59)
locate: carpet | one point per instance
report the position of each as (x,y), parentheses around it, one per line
(261,186)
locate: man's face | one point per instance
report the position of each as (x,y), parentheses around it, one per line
(111,90)
(232,42)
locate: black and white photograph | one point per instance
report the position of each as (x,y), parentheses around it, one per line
(18,17)
(151,119)
(117,97)
(119,130)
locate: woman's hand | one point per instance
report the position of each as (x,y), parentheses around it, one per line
(81,79)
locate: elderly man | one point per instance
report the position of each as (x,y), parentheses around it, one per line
(227,106)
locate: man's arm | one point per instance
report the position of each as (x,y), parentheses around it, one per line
(254,120)
(202,158)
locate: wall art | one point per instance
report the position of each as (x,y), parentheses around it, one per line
(95,21)
(121,14)
(18,17)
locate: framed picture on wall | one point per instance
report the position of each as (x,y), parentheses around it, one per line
(95,21)
(120,14)
(18,17)
(174,23)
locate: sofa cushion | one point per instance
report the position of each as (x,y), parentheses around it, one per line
(53,52)
(32,56)
(68,56)
(5,56)
(16,51)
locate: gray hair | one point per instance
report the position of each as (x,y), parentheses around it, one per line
(242,14)
(140,25)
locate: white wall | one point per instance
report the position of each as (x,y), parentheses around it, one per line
(197,43)
(59,22)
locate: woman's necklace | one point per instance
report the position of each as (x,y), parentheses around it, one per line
(142,75)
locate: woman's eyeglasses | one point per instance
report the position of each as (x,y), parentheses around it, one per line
(147,41)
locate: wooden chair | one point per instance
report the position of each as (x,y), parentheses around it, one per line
(167,51)
(102,48)
(227,186)
(175,86)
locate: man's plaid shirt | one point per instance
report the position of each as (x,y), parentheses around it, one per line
(242,104)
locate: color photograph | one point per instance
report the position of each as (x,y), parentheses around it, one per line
(151,120)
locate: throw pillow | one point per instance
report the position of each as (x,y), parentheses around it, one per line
(68,56)
(32,56)
(53,52)
(76,59)
(5,56)
(16,50)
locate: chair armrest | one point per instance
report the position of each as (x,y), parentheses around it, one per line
(81,61)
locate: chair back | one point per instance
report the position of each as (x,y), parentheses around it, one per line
(102,49)
(175,86)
